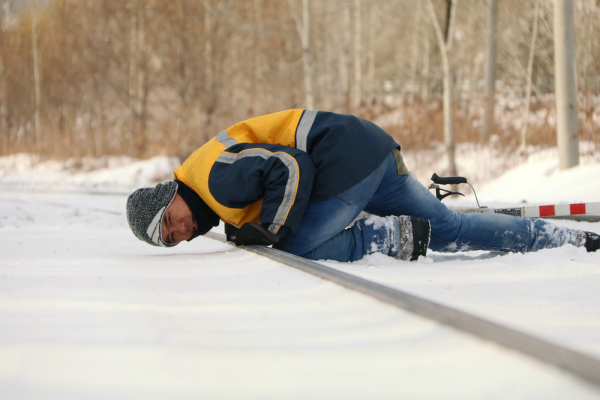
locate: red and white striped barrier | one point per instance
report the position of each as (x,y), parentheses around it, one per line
(560,210)
(583,211)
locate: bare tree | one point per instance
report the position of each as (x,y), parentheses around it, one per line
(343,51)
(36,80)
(303,26)
(526,106)
(357,90)
(134,57)
(146,77)
(3,90)
(373,17)
(208,51)
(258,37)
(490,70)
(445,45)
(416,46)
(425,63)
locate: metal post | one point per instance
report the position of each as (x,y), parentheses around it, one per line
(567,126)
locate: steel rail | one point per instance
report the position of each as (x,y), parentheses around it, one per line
(577,363)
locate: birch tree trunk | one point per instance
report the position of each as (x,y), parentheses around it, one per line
(523,146)
(306,55)
(490,71)
(3,95)
(210,77)
(208,50)
(182,51)
(137,76)
(343,59)
(445,45)
(303,26)
(357,92)
(327,81)
(425,69)
(133,65)
(257,54)
(371,53)
(36,82)
(142,65)
(414,51)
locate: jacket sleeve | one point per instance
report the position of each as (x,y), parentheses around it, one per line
(279,175)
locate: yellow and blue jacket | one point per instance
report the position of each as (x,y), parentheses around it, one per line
(266,169)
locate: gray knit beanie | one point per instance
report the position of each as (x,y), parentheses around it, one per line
(145,210)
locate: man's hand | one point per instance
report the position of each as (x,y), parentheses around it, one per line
(252,233)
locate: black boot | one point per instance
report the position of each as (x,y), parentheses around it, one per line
(592,241)
(414,237)
(422,235)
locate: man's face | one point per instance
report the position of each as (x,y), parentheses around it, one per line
(178,224)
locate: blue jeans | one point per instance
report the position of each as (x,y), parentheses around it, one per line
(324,231)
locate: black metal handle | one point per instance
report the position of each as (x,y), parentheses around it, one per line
(449,180)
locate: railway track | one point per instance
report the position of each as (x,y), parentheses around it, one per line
(575,362)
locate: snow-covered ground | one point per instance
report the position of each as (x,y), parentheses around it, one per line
(87,311)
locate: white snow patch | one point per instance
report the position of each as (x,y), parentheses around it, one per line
(106,174)
(541,182)
(89,311)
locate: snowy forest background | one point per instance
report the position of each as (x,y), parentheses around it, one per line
(152,77)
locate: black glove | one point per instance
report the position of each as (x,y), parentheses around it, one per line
(252,233)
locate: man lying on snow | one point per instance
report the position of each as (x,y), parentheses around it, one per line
(297,179)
